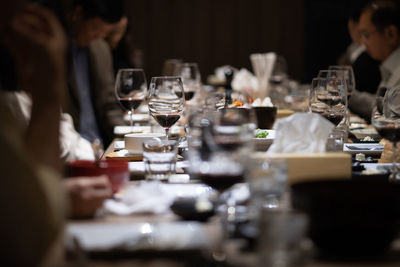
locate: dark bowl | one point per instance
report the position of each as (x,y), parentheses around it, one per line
(353,218)
(379,176)
(265,117)
(186,209)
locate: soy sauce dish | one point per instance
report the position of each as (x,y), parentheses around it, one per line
(193,209)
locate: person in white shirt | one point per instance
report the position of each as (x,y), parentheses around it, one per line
(72,145)
(380,33)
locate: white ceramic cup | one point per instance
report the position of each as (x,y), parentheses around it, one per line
(134,141)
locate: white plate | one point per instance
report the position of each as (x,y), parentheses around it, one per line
(361,133)
(262,144)
(106,236)
(367,149)
(137,117)
(122,130)
(119,144)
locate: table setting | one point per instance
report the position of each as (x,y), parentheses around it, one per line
(258,176)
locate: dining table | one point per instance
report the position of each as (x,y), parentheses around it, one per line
(112,231)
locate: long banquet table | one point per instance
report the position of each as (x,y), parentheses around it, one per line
(235,256)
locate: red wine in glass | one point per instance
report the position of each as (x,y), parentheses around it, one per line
(389,132)
(131,103)
(221,182)
(335,118)
(166,120)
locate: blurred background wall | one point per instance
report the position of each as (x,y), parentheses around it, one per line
(310,34)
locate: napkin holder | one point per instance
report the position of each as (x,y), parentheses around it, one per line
(314,166)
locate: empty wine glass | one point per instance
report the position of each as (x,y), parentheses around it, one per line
(387,123)
(130,89)
(190,74)
(328,98)
(166,100)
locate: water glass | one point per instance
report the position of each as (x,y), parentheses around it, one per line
(335,141)
(281,239)
(159,157)
(267,180)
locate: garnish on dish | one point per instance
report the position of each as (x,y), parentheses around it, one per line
(261,133)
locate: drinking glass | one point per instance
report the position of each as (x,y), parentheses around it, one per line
(328,98)
(190,74)
(159,157)
(130,89)
(225,140)
(387,123)
(282,238)
(267,178)
(348,76)
(166,100)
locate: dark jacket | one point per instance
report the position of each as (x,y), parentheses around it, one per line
(107,110)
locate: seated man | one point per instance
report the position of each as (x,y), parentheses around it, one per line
(380,32)
(366,70)
(92,103)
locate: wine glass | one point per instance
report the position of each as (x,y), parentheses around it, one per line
(190,74)
(348,76)
(130,89)
(218,161)
(387,123)
(166,100)
(328,98)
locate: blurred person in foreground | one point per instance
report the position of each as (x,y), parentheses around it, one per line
(32,197)
(379,28)
(91,102)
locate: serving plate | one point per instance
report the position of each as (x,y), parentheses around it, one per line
(361,133)
(373,149)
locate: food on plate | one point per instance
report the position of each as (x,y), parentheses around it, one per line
(368,139)
(261,133)
(360,157)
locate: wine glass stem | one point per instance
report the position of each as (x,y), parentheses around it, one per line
(131,117)
(166,132)
(394,167)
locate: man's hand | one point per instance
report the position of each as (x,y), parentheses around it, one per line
(87,194)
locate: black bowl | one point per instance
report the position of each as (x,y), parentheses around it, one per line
(353,218)
(186,209)
(379,176)
(265,117)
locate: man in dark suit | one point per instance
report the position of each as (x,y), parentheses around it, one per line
(379,28)
(92,102)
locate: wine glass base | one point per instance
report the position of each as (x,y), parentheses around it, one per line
(394,178)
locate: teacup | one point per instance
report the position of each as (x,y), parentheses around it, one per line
(117,171)
(134,141)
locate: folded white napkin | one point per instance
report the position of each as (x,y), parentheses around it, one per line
(153,197)
(301,133)
(245,82)
(263,65)
(266,102)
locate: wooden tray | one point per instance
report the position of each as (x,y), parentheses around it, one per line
(129,157)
